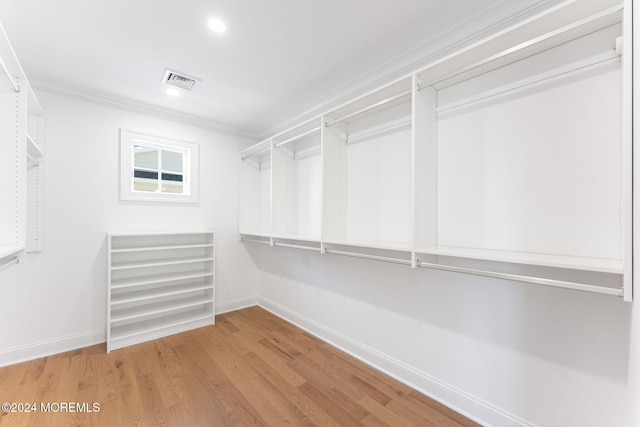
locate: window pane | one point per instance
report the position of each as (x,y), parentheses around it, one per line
(172,183)
(145,157)
(145,180)
(171,161)
(172,187)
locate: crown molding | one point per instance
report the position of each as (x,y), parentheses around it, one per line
(123,103)
(473,29)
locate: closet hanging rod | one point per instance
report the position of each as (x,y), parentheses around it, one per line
(367,256)
(309,152)
(292,246)
(526,279)
(264,242)
(369,107)
(293,138)
(550,76)
(12,261)
(257,153)
(16,88)
(536,40)
(378,130)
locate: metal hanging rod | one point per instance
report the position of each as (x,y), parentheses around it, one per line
(16,88)
(255,149)
(526,279)
(309,152)
(300,136)
(292,246)
(575,68)
(301,154)
(257,153)
(370,107)
(12,261)
(367,256)
(373,132)
(244,239)
(589,19)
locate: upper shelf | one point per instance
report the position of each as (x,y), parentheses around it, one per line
(389,96)
(257,150)
(8,251)
(558,25)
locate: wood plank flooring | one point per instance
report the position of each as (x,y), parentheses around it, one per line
(251,368)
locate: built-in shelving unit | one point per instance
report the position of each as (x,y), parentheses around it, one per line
(255,183)
(159,284)
(510,158)
(21,161)
(297,183)
(368,154)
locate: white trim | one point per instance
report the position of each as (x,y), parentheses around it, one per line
(37,350)
(190,173)
(127,104)
(404,63)
(452,397)
(236,304)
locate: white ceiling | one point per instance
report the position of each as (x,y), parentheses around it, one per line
(278,57)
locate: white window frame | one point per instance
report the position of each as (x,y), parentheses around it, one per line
(190,150)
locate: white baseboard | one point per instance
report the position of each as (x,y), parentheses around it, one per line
(464,403)
(236,304)
(40,349)
(37,350)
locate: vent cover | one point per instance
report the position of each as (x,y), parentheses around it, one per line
(180,80)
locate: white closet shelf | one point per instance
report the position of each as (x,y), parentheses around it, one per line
(144,310)
(388,96)
(161,247)
(165,291)
(257,150)
(159,262)
(391,246)
(158,278)
(499,50)
(8,251)
(392,101)
(545,260)
(200,317)
(304,135)
(173,289)
(157,235)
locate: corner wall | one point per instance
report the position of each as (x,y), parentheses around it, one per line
(57,301)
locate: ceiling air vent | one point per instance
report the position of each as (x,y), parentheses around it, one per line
(180,80)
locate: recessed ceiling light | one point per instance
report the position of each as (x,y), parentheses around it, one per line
(173,91)
(217,25)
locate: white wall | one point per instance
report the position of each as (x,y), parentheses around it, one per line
(533,354)
(57,300)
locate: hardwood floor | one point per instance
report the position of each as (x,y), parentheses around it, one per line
(251,368)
